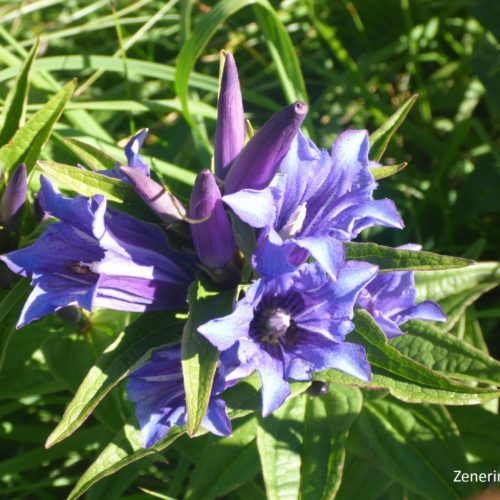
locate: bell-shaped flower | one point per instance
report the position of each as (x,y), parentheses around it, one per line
(213,238)
(157,391)
(258,161)
(316,201)
(230,129)
(390,299)
(292,326)
(98,257)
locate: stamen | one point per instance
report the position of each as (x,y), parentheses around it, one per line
(295,222)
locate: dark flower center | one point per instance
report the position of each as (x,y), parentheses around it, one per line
(78,267)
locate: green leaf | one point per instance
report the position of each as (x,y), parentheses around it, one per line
(87,183)
(381,137)
(279,440)
(479,430)
(27,142)
(417,446)
(445,353)
(386,171)
(455,305)
(15,102)
(405,378)
(10,308)
(89,155)
(441,284)
(327,422)
(199,357)
(392,259)
(278,41)
(226,463)
(126,446)
(132,346)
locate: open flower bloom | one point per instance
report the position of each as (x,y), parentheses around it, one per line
(98,257)
(390,299)
(291,326)
(157,390)
(316,201)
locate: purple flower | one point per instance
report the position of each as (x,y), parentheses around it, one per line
(157,390)
(134,159)
(230,130)
(390,299)
(258,161)
(213,239)
(289,327)
(97,257)
(317,200)
(13,200)
(164,204)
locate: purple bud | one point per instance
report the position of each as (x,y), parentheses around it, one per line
(230,131)
(165,205)
(132,149)
(13,199)
(256,165)
(213,239)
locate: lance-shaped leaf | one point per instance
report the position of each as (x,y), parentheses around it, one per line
(258,162)
(387,170)
(27,142)
(199,357)
(151,330)
(381,137)
(328,419)
(230,130)
(163,203)
(15,102)
(447,354)
(279,439)
(393,259)
(89,155)
(419,447)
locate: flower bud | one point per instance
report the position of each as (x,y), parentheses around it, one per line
(230,130)
(165,205)
(213,238)
(258,162)
(13,199)
(134,159)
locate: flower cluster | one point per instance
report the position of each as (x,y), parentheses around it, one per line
(302,204)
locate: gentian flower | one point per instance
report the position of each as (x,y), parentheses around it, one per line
(98,257)
(390,299)
(213,239)
(258,161)
(157,391)
(294,325)
(316,201)
(230,129)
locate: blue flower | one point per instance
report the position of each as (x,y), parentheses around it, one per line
(390,299)
(316,201)
(289,327)
(98,257)
(157,391)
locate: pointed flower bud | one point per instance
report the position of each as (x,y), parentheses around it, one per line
(213,239)
(13,199)
(165,205)
(132,149)
(258,162)
(230,130)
